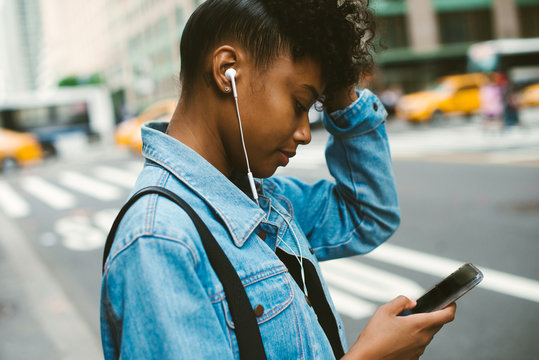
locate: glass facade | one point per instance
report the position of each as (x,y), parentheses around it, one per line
(392,31)
(465,26)
(529,20)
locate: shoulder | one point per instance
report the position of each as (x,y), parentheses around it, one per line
(154,218)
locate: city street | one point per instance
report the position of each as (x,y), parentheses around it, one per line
(466,195)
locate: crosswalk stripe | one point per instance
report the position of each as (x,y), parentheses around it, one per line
(350,305)
(435,265)
(368,282)
(12,204)
(88,186)
(135,166)
(50,194)
(116,176)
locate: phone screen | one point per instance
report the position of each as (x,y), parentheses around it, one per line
(448,290)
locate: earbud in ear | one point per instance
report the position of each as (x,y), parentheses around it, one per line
(231,76)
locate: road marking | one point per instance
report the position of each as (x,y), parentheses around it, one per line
(104,218)
(116,176)
(48,193)
(350,305)
(368,282)
(78,233)
(12,204)
(494,280)
(135,165)
(45,300)
(88,186)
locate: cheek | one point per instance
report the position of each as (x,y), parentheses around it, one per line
(272,119)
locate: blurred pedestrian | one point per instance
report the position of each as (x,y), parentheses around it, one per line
(161,296)
(390,97)
(510,104)
(491,101)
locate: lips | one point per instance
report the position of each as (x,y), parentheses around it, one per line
(285,156)
(289,154)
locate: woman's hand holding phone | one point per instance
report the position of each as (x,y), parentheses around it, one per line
(390,336)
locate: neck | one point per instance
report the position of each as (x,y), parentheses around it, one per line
(195,125)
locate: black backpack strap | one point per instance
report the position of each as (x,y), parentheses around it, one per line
(246,328)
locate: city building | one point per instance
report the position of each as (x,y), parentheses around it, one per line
(20,46)
(425,39)
(132,44)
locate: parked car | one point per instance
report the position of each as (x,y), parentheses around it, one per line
(454,94)
(529,96)
(18,149)
(128,132)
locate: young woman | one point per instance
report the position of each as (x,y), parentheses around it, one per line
(161,298)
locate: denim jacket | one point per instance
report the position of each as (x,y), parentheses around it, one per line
(160,298)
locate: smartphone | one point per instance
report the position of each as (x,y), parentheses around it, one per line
(448,290)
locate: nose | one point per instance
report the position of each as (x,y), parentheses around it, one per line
(302,135)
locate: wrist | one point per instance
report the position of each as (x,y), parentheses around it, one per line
(357,352)
(342,99)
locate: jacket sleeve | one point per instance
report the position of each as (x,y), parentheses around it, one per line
(154,306)
(360,210)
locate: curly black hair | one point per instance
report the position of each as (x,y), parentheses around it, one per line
(339,34)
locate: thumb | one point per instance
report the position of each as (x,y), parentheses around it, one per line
(399,304)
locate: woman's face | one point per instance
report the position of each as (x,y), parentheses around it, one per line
(273,105)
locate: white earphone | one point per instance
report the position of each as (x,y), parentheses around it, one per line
(231,76)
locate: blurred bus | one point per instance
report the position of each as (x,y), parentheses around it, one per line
(517,58)
(57,117)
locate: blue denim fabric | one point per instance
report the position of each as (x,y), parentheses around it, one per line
(160,297)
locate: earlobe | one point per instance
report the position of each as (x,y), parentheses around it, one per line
(224,58)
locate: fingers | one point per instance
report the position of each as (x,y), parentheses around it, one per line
(447,314)
(440,317)
(397,305)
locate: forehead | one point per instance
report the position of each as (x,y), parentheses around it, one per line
(303,72)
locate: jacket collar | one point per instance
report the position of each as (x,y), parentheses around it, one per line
(240,213)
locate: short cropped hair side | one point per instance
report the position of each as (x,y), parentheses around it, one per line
(339,34)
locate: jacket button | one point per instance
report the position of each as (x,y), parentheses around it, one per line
(261,234)
(375,107)
(259,310)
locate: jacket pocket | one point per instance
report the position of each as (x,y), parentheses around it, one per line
(269,296)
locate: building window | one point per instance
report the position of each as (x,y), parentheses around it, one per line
(392,31)
(529,24)
(468,26)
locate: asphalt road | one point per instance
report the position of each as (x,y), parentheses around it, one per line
(453,211)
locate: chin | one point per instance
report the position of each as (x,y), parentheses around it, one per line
(264,173)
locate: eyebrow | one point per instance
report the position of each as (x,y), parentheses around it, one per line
(313,91)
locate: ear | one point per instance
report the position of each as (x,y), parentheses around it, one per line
(224,58)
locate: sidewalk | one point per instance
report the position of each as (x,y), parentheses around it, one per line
(37,321)
(467,141)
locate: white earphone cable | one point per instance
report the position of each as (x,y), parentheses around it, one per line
(241,134)
(231,76)
(300,258)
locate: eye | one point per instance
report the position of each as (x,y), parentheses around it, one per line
(300,108)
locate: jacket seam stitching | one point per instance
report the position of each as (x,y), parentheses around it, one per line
(298,328)
(149,213)
(147,235)
(351,136)
(215,298)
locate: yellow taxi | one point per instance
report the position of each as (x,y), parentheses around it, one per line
(128,132)
(18,149)
(454,94)
(529,96)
